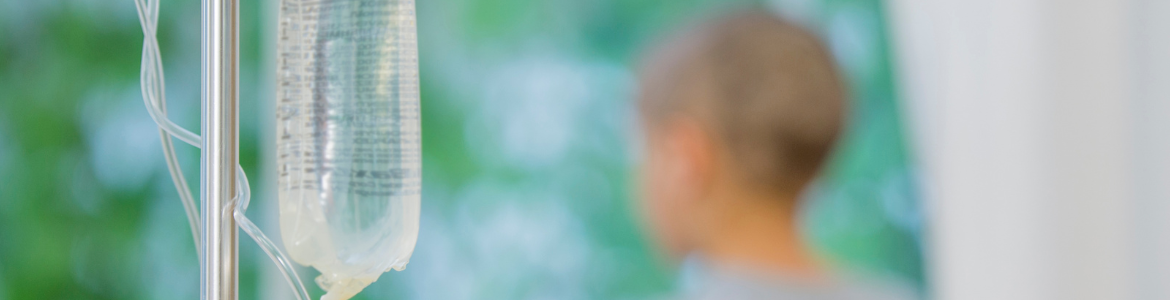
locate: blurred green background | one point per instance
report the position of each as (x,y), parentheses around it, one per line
(529,142)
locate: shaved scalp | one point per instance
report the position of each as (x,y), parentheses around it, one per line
(768,89)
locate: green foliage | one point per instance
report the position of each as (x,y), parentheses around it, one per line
(527,162)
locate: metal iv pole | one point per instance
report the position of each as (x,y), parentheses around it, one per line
(220,128)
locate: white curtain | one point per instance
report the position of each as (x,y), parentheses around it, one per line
(1043,130)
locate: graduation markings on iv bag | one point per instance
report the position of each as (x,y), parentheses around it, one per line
(348,138)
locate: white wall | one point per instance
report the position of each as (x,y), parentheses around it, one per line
(1041,127)
(1152,33)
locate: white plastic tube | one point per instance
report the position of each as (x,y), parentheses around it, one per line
(154,94)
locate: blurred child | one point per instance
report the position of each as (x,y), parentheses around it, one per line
(739,115)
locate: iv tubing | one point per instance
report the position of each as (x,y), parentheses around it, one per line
(154,94)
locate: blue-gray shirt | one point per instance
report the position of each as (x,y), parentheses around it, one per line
(702,282)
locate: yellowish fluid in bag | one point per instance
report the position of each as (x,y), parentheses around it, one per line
(348,138)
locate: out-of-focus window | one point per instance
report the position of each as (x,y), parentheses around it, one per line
(527,119)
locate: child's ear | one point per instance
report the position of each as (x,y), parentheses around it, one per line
(695,148)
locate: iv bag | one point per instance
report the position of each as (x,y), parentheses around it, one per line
(348,138)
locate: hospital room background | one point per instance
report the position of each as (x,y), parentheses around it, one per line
(994,150)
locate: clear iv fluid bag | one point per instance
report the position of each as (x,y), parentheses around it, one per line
(348,138)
